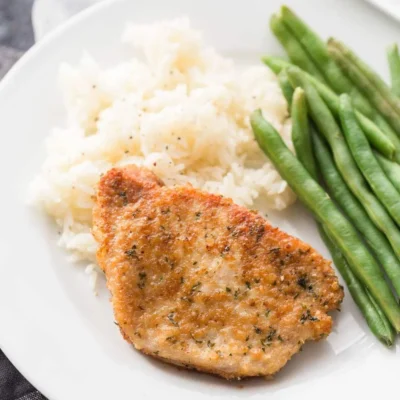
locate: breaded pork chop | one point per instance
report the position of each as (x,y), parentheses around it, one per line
(201,282)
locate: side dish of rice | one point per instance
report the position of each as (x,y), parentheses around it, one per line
(178,108)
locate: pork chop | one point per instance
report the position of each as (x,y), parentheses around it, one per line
(203,283)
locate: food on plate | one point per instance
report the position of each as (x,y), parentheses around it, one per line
(301,134)
(391,169)
(381,97)
(176,107)
(330,129)
(152,144)
(366,161)
(337,188)
(375,317)
(295,51)
(375,135)
(351,109)
(286,86)
(314,48)
(348,168)
(201,282)
(301,137)
(315,198)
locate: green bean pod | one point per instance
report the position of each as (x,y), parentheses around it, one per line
(375,80)
(275,64)
(380,134)
(317,50)
(293,48)
(375,136)
(311,42)
(355,212)
(316,199)
(367,163)
(394,66)
(376,319)
(301,138)
(391,169)
(386,327)
(286,86)
(344,160)
(338,81)
(301,131)
(382,124)
(362,82)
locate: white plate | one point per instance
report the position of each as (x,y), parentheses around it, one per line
(391,7)
(56,332)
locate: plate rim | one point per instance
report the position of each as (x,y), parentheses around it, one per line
(51,36)
(30,54)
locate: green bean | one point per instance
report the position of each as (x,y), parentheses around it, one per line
(345,162)
(275,64)
(385,327)
(363,83)
(373,314)
(309,40)
(380,134)
(381,127)
(316,199)
(301,131)
(391,169)
(362,154)
(374,79)
(383,139)
(382,124)
(286,86)
(375,136)
(394,66)
(317,50)
(354,210)
(293,48)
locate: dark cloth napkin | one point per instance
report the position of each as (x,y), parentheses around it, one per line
(16,36)
(13,386)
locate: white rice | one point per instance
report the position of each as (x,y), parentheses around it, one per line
(178,108)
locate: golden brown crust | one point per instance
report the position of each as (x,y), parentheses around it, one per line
(201,282)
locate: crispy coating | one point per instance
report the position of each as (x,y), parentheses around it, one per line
(201,282)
